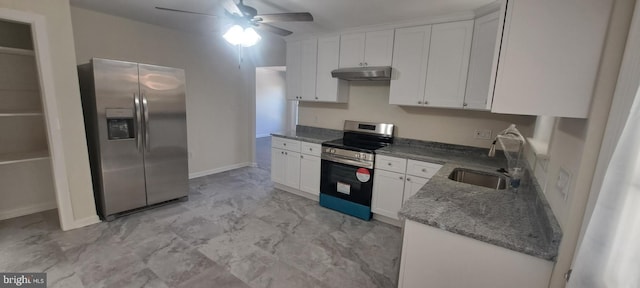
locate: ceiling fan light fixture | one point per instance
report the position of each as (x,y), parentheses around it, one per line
(251,37)
(236,35)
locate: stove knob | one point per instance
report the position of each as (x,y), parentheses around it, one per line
(358,156)
(333,150)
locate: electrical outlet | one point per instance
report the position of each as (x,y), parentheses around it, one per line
(563,183)
(484,134)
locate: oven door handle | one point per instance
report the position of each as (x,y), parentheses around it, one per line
(347,161)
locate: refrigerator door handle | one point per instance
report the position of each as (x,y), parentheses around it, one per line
(136,108)
(147,141)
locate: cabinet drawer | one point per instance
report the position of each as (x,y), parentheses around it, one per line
(422,169)
(310,148)
(392,164)
(287,144)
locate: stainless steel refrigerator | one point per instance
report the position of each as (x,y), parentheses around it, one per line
(135,120)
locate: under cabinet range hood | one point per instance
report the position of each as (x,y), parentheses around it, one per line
(382,73)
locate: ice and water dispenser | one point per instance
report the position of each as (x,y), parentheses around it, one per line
(120,124)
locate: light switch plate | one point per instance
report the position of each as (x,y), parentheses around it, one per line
(484,134)
(563,183)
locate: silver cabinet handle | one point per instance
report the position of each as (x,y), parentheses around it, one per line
(366,64)
(285,144)
(389,163)
(464,104)
(426,102)
(424,170)
(408,179)
(316,97)
(285,153)
(419,102)
(282,152)
(310,149)
(138,126)
(145,108)
(301,156)
(400,177)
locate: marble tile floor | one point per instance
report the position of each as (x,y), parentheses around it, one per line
(236,230)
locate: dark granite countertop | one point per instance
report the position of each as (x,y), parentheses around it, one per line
(310,134)
(521,221)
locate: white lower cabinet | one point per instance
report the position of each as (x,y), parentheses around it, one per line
(397,179)
(388,188)
(412,185)
(310,174)
(292,170)
(444,259)
(278,165)
(296,164)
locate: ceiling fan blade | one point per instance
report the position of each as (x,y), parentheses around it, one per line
(285,17)
(231,7)
(274,29)
(185,11)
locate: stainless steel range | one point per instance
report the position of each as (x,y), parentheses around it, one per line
(347,167)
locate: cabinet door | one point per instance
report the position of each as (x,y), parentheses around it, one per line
(352,50)
(378,48)
(549,57)
(329,89)
(485,32)
(388,188)
(278,166)
(410,57)
(309,56)
(292,171)
(448,64)
(310,174)
(412,185)
(294,58)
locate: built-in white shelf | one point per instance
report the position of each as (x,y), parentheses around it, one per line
(16,51)
(19,113)
(10,158)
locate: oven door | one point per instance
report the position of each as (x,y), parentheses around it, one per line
(347,181)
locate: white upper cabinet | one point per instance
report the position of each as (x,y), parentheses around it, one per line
(448,64)
(378,48)
(549,56)
(485,33)
(309,56)
(366,49)
(294,55)
(430,65)
(409,68)
(301,70)
(352,50)
(329,89)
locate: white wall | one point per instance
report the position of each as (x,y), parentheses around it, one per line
(575,143)
(67,91)
(271,104)
(369,101)
(218,99)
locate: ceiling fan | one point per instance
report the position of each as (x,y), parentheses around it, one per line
(245,17)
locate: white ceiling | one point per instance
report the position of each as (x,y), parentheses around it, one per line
(329,15)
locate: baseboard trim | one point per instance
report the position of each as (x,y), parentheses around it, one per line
(296,192)
(387,220)
(26,210)
(86,221)
(218,170)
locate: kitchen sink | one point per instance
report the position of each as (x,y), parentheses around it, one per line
(479,178)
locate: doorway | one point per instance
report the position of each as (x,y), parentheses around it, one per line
(33,175)
(274,114)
